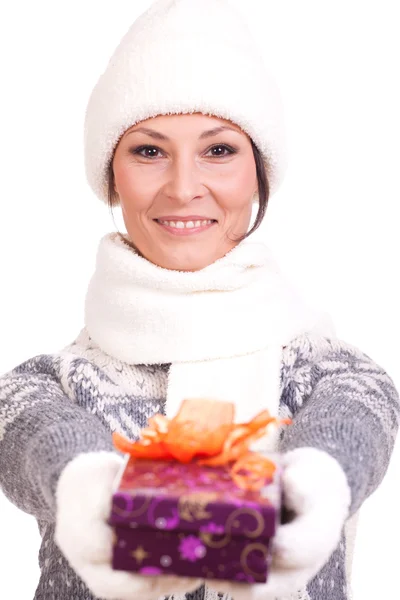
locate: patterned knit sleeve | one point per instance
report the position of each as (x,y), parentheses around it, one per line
(342,402)
(41,430)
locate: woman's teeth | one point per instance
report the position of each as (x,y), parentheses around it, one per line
(186,224)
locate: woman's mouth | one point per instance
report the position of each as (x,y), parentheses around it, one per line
(186,227)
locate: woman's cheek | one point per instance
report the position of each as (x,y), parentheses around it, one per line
(235,199)
(132,190)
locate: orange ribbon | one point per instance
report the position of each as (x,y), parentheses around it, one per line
(204,430)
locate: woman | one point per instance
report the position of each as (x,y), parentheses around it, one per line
(184,131)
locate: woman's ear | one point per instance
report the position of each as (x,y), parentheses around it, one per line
(115,191)
(114,185)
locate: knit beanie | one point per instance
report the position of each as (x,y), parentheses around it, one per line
(185,56)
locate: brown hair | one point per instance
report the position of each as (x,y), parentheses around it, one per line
(263,189)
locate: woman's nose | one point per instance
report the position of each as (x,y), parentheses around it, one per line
(184,181)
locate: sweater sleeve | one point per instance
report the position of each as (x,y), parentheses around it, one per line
(41,430)
(344,403)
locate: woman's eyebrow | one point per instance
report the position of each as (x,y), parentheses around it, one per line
(160,136)
(216,131)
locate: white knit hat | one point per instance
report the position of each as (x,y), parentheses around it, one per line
(185,56)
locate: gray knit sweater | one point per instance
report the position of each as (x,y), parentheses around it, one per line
(53,407)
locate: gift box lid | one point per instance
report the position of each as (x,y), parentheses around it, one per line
(189,497)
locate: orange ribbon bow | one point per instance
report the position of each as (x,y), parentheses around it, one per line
(204,430)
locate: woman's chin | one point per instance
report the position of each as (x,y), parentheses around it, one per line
(185,262)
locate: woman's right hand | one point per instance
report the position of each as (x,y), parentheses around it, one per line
(84,495)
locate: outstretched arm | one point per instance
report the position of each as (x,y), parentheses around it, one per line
(41,430)
(344,403)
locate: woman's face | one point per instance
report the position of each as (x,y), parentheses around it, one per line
(185,184)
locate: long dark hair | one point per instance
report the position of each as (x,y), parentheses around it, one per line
(263,190)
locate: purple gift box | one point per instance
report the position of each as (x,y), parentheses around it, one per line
(192,520)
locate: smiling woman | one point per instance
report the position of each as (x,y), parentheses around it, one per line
(184,307)
(185,203)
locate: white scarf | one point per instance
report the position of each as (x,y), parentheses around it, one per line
(222,328)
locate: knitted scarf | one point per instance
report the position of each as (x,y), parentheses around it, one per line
(222,328)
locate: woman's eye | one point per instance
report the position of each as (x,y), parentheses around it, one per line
(153,151)
(218,151)
(222,147)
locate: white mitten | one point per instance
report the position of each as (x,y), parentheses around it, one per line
(316,490)
(83,496)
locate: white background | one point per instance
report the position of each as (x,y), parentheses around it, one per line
(333,224)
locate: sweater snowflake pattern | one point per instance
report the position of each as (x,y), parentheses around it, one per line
(56,406)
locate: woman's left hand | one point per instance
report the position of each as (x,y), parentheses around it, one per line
(315,489)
